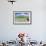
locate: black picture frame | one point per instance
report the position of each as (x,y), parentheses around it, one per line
(22,17)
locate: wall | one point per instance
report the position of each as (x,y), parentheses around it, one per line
(9,31)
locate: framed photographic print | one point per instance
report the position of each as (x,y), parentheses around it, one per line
(22,17)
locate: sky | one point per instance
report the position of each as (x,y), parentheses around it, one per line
(22,14)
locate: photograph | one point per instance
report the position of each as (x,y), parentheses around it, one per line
(22,17)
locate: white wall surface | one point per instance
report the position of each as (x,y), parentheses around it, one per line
(9,31)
